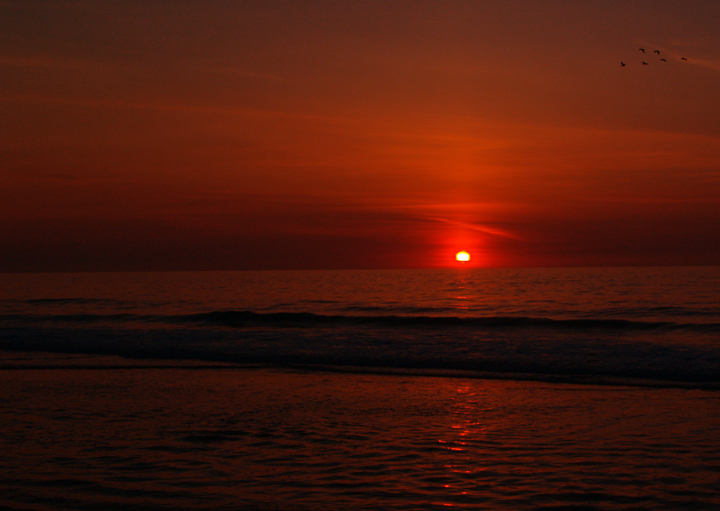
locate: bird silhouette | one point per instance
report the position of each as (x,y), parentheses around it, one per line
(645,64)
(663,60)
(657,51)
(683,58)
(642,50)
(622,64)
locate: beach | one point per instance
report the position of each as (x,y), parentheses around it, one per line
(592,389)
(113,434)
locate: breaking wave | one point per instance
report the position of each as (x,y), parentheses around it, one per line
(241,319)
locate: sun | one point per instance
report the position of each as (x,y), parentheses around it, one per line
(462,256)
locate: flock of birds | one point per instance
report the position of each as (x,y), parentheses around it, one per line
(623,64)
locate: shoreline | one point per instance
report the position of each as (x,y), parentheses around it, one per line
(203,438)
(39,361)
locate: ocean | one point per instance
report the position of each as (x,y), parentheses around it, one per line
(573,388)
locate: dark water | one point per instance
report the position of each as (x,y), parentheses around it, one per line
(642,326)
(484,389)
(279,439)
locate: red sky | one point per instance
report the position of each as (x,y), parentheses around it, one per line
(177,135)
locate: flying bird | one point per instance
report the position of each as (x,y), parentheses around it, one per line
(683,58)
(664,60)
(657,51)
(645,64)
(622,64)
(642,50)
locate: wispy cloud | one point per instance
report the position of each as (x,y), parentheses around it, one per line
(38,61)
(247,73)
(713,64)
(49,99)
(476,227)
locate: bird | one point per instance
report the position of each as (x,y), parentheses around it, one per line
(645,64)
(622,64)
(664,60)
(683,58)
(657,51)
(642,50)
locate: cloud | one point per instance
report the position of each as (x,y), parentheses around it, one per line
(476,227)
(40,61)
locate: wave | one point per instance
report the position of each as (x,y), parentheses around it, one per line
(311,320)
(243,319)
(663,311)
(528,349)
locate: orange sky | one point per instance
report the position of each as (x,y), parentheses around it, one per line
(177,135)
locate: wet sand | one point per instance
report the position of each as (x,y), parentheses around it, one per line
(258,438)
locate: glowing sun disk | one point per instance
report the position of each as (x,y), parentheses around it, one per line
(462,256)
